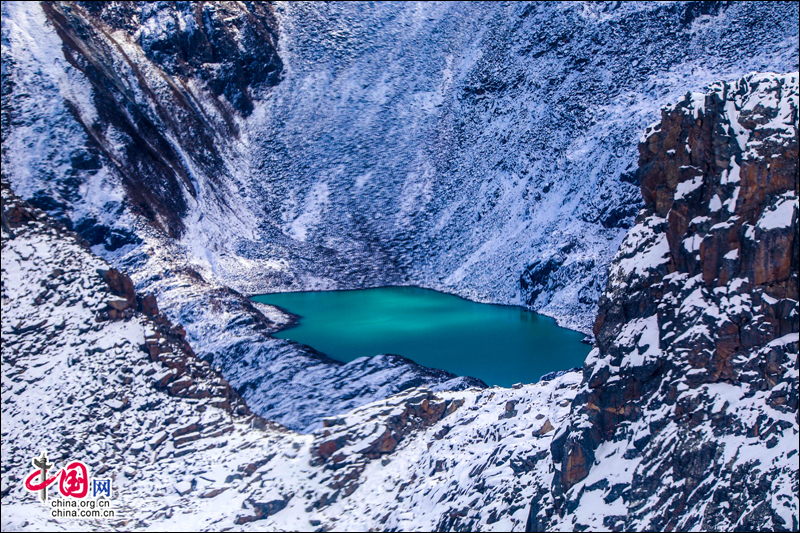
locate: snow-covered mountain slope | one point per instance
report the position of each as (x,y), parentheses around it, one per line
(482,149)
(687,417)
(92,372)
(476,144)
(456,146)
(680,420)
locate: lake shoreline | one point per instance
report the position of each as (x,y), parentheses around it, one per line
(433,329)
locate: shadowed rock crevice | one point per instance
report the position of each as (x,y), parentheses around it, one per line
(230,46)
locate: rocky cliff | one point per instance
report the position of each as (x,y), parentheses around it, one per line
(692,391)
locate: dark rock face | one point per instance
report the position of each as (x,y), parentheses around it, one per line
(151,124)
(95,232)
(538,277)
(232,47)
(120,284)
(693,384)
(408,413)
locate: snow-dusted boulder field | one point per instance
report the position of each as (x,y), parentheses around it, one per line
(487,150)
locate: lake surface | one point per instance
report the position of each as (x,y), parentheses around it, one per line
(499,344)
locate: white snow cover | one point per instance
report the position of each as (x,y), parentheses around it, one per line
(779,215)
(644,249)
(642,333)
(87,394)
(686,187)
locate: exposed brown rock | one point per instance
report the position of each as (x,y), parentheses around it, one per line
(149,305)
(547,427)
(121,285)
(576,468)
(418,410)
(213,493)
(715,201)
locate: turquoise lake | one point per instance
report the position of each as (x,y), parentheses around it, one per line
(498,344)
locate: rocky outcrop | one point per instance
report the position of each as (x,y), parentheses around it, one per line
(693,384)
(347,448)
(176,369)
(166,84)
(230,46)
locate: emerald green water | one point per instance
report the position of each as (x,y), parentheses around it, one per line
(499,344)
